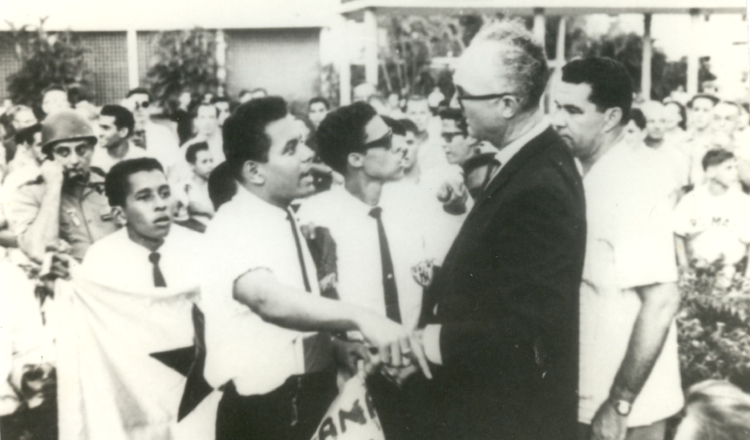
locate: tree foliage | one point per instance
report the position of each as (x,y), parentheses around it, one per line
(183,61)
(47,58)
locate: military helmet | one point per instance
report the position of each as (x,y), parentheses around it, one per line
(65,125)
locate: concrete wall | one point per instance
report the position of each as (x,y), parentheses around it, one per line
(285,62)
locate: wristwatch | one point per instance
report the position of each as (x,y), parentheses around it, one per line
(622,407)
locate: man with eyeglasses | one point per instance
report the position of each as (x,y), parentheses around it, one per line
(160,142)
(64,206)
(500,319)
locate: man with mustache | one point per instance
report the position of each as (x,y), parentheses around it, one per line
(64,206)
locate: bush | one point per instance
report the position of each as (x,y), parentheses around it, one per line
(183,61)
(714,330)
(47,58)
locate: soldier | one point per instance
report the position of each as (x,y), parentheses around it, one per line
(64,206)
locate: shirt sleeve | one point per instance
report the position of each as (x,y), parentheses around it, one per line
(22,207)
(644,241)
(241,347)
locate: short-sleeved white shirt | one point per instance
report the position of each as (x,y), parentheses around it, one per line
(715,226)
(358,259)
(246,234)
(629,244)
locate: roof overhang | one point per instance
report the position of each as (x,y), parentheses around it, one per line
(355,8)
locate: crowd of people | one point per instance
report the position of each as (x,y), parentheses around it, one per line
(492,270)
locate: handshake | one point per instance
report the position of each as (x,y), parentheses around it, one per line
(388,348)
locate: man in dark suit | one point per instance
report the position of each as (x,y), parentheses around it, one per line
(500,320)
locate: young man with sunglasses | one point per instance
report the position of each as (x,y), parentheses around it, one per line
(158,140)
(377,246)
(66,201)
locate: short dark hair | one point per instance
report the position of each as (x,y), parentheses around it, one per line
(637,116)
(715,157)
(683,113)
(457,115)
(244,132)
(216,99)
(116,184)
(342,132)
(409,126)
(221,185)
(396,127)
(319,99)
(139,91)
(123,117)
(192,151)
(26,135)
(714,100)
(611,85)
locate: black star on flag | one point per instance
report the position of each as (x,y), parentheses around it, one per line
(190,362)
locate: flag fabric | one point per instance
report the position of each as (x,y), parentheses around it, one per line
(352,415)
(109,384)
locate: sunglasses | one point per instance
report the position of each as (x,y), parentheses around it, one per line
(143,104)
(383,142)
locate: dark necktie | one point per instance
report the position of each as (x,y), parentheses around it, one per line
(154,257)
(300,255)
(390,290)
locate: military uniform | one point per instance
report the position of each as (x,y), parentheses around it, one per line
(85,214)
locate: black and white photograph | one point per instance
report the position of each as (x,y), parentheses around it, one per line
(374,220)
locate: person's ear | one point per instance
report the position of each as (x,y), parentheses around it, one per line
(252,172)
(509,106)
(123,132)
(119,215)
(612,118)
(355,160)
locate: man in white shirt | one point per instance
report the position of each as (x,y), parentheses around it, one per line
(629,369)
(656,116)
(158,140)
(377,246)
(700,137)
(712,222)
(141,199)
(116,125)
(260,292)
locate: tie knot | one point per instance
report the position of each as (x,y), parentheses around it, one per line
(376,211)
(154,257)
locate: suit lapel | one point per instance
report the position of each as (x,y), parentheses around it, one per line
(533,147)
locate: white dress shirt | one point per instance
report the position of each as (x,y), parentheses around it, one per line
(102,160)
(432,331)
(248,233)
(358,259)
(119,262)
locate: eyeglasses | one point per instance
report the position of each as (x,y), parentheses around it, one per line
(139,105)
(383,142)
(461,96)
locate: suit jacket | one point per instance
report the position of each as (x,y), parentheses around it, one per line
(507,299)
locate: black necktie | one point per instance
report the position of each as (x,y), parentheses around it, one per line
(390,290)
(154,257)
(300,256)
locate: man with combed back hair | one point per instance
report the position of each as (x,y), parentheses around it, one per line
(500,319)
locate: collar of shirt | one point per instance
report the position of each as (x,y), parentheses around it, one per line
(506,153)
(258,206)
